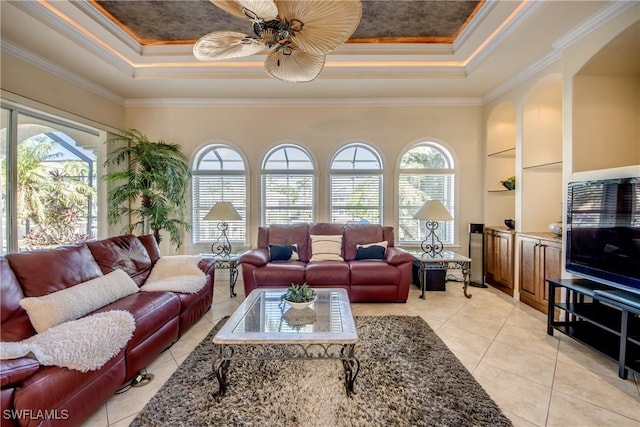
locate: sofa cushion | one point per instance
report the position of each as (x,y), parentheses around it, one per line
(374,272)
(277,273)
(151,311)
(283,252)
(376,250)
(326,248)
(288,234)
(327,273)
(74,302)
(50,270)
(126,253)
(360,234)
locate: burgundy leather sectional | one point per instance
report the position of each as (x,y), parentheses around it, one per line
(47,395)
(366,280)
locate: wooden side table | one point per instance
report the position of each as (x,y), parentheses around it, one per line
(445,260)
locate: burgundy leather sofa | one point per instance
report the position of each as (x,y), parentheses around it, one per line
(70,396)
(366,280)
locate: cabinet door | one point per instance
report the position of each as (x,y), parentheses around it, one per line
(504,267)
(529,284)
(551,263)
(489,253)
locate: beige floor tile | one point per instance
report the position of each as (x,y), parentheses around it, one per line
(125,422)
(515,394)
(123,405)
(98,419)
(577,354)
(463,341)
(519,421)
(478,322)
(191,339)
(569,411)
(469,362)
(521,362)
(615,394)
(534,340)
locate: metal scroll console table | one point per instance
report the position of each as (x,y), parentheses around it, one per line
(227,262)
(265,328)
(445,260)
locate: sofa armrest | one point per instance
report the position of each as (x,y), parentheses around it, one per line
(257,257)
(15,371)
(397,256)
(207,265)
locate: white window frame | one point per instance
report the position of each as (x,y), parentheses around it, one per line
(206,232)
(446,230)
(288,175)
(356,173)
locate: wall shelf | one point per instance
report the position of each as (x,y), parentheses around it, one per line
(502,191)
(509,152)
(550,165)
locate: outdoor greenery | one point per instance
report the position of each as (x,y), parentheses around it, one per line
(52,195)
(151,188)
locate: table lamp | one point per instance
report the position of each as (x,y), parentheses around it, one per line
(222,212)
(432,211)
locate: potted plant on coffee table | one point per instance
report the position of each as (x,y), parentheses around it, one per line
(299,296)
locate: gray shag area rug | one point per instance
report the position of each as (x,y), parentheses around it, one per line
(408,377)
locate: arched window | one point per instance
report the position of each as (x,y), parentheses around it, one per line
(219,175)
(288,186)
(356,185)
(426,172)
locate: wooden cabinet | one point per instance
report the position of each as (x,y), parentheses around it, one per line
(540,259)
(499,259)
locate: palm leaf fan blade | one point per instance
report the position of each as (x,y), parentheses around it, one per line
(297,66)
(226,45)
(327,24)
(265,9)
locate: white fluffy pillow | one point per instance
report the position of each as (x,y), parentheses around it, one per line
(74,302)
(176,273)
(326,248)
(85,344)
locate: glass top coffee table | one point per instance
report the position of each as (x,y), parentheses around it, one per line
(264,328)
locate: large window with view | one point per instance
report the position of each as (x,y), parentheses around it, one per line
(356,185)
(49,181)
(426,172)
(288,186)
(219,175)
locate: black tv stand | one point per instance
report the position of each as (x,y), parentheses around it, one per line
(601,317)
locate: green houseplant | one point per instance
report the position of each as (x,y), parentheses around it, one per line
(509,183)
(299,296)
(152,186)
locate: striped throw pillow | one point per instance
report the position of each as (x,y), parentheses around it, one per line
(326,248)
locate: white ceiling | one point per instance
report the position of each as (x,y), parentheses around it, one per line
(505,42)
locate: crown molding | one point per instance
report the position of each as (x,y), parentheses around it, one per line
(15,50)
(303,103)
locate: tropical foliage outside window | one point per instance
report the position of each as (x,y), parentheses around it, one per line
(356,185)
(50,193)
(426,173)
(288,186)
(219,175)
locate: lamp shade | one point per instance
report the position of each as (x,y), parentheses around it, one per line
(433,210)
(223,211)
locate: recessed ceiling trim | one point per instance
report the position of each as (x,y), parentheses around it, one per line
(310,103)
(607,13)
(58,71)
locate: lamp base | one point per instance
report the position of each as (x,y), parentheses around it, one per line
(431,245)
(222,246)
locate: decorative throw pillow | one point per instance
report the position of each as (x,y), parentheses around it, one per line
(283,252)
(74,302)
(326,248)
(176,273)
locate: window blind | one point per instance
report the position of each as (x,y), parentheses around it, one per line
(287,197)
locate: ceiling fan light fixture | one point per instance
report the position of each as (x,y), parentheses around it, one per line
(299,34)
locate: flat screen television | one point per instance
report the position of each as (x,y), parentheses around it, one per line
(603,231)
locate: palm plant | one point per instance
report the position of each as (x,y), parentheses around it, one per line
(151,189)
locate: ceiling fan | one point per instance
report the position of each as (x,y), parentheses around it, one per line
(298,34)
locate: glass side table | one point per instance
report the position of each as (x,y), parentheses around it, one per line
(227,262)
(445,260)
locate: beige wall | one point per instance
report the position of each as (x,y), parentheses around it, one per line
(33,83)
(322,130)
